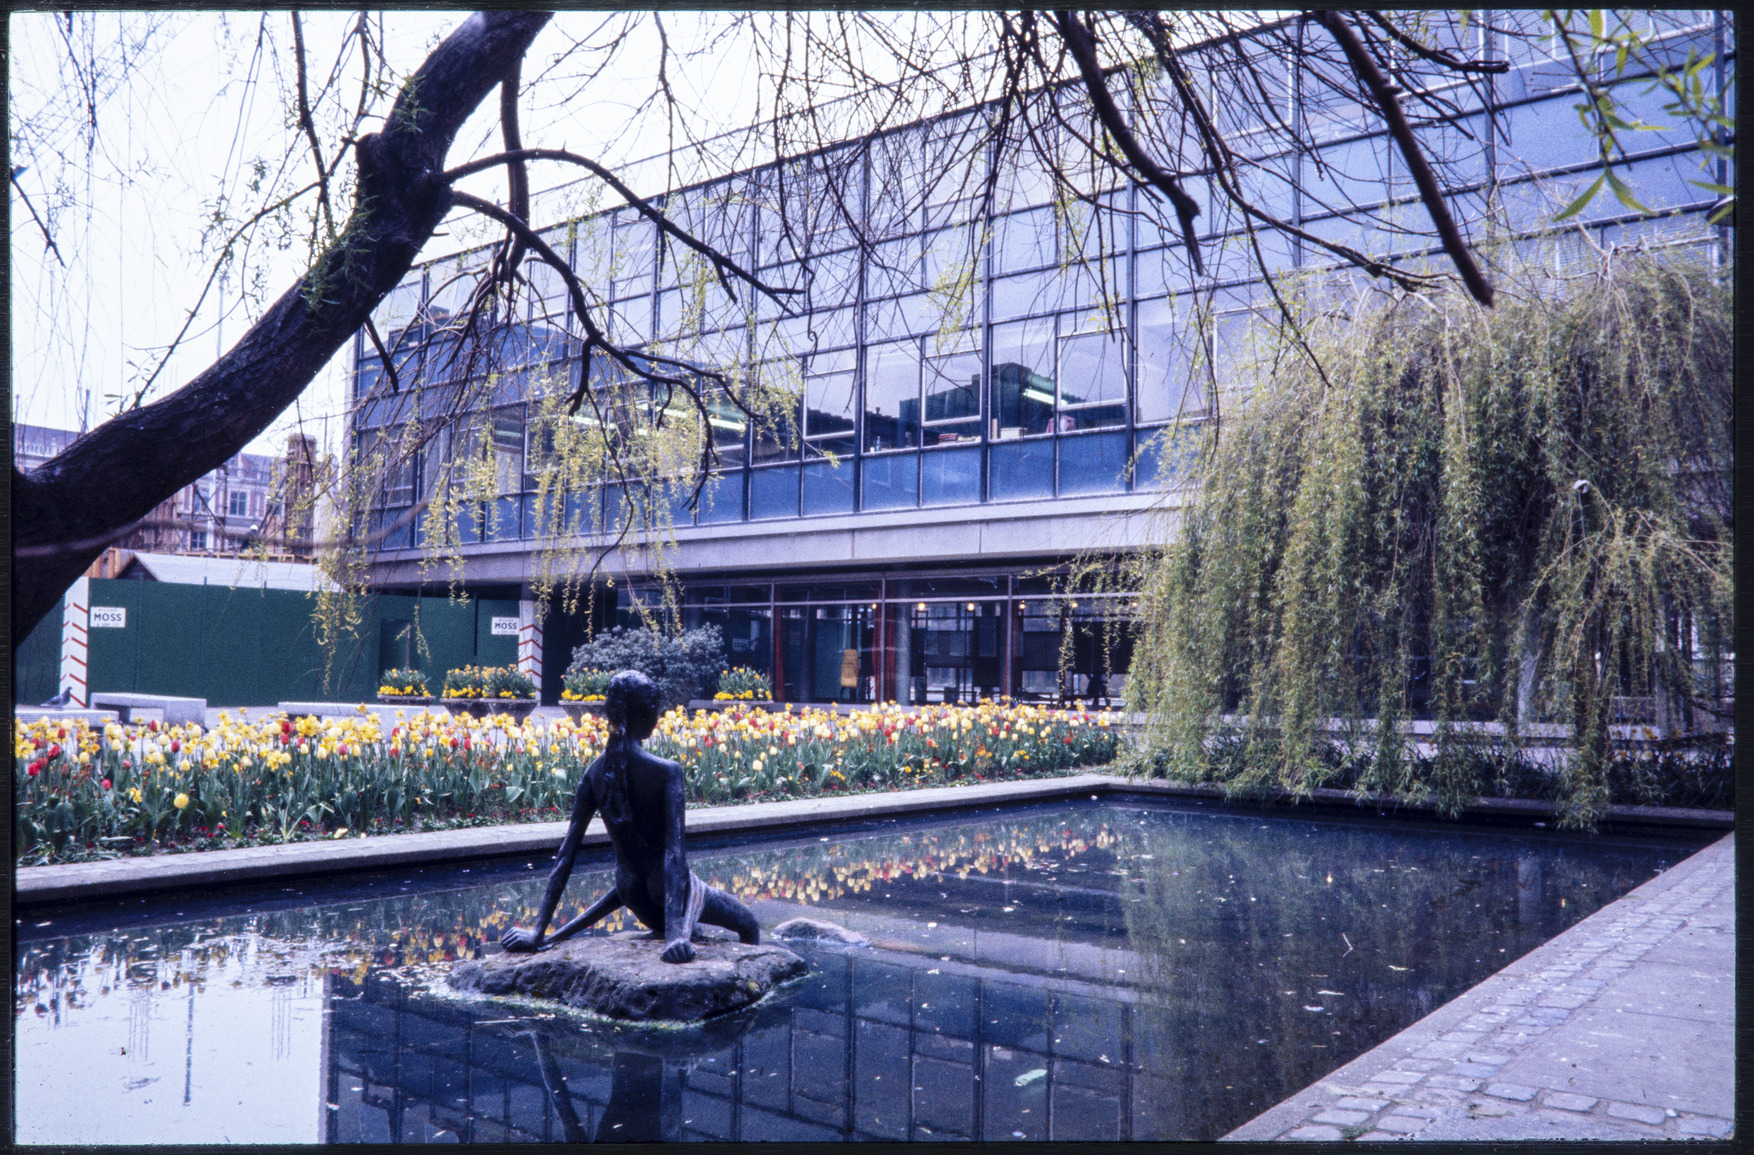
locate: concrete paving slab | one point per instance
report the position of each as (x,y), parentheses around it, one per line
(1646,1051)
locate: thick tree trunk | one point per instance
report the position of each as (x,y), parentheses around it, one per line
(117,473)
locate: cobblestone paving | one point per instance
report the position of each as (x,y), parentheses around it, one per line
(1498,1062)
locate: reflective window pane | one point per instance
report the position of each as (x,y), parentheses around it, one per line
(1023,383)
(891,481)
(894,268)
(721,498)
(1093,382)
(1093,463)
(892,396)
(828,488)
(830,400)
(773,492)
(1172,362)
(953,399)
(1025,241)
(950,476)
(1025,469)
(776,426)
(1164,458)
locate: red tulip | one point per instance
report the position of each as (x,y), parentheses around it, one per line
(106,783)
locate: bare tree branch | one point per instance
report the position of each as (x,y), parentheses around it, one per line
(119,471)
(1432,54)
(1083,50)
(48,241)
(307,124)
(721,263)
(1429,192)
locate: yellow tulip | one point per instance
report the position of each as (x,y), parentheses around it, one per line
(182,800)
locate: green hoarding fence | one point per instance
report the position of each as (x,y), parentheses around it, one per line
(258,647)
(36,665)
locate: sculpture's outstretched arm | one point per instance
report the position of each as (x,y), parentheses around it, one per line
(678,927)
(598,909)
(584,807)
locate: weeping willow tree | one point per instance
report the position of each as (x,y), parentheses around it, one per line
(1515,516)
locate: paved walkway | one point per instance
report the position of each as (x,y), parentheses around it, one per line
(1620,1028)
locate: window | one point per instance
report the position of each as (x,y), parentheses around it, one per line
(773,492)
(953,399)
(1026,241)
(508,449)
(1093,382)
(891,481)
(197,539)
(238,503)
(632,267)
(728,426)
(1172,361)
(828,488)
(892,396)
(776,434)
(1022,383)
(830,401)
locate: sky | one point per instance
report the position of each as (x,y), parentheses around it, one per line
(183,103)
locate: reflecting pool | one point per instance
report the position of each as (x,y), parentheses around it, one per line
(1095,970)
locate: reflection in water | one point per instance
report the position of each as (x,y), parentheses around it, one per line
(1092,971)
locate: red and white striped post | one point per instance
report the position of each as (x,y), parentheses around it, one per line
(530,642)
(75,624)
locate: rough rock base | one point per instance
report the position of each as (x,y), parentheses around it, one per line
(623,977)
(816,930)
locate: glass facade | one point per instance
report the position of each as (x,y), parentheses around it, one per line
(931,638)
(1028,356)
(933,357)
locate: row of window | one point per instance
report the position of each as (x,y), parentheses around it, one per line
(956,363)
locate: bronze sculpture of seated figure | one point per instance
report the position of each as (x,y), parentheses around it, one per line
(641,799)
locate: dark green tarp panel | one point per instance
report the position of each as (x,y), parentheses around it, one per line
(257,647)
(36,665)
(493,649)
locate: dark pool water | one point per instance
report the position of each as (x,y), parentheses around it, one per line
(1068,972)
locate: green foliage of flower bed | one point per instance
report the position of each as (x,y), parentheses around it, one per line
(496,682)
(402,684)
(84,793)
(585,685)
(742,684)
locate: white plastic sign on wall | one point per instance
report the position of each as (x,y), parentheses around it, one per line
(504,627)
(109,617)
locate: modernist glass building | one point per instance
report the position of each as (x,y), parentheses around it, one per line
(980,395)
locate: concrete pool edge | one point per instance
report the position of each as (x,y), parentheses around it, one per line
(1581,1038)
(35,886)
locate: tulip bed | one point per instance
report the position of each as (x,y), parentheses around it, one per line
(85,793)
